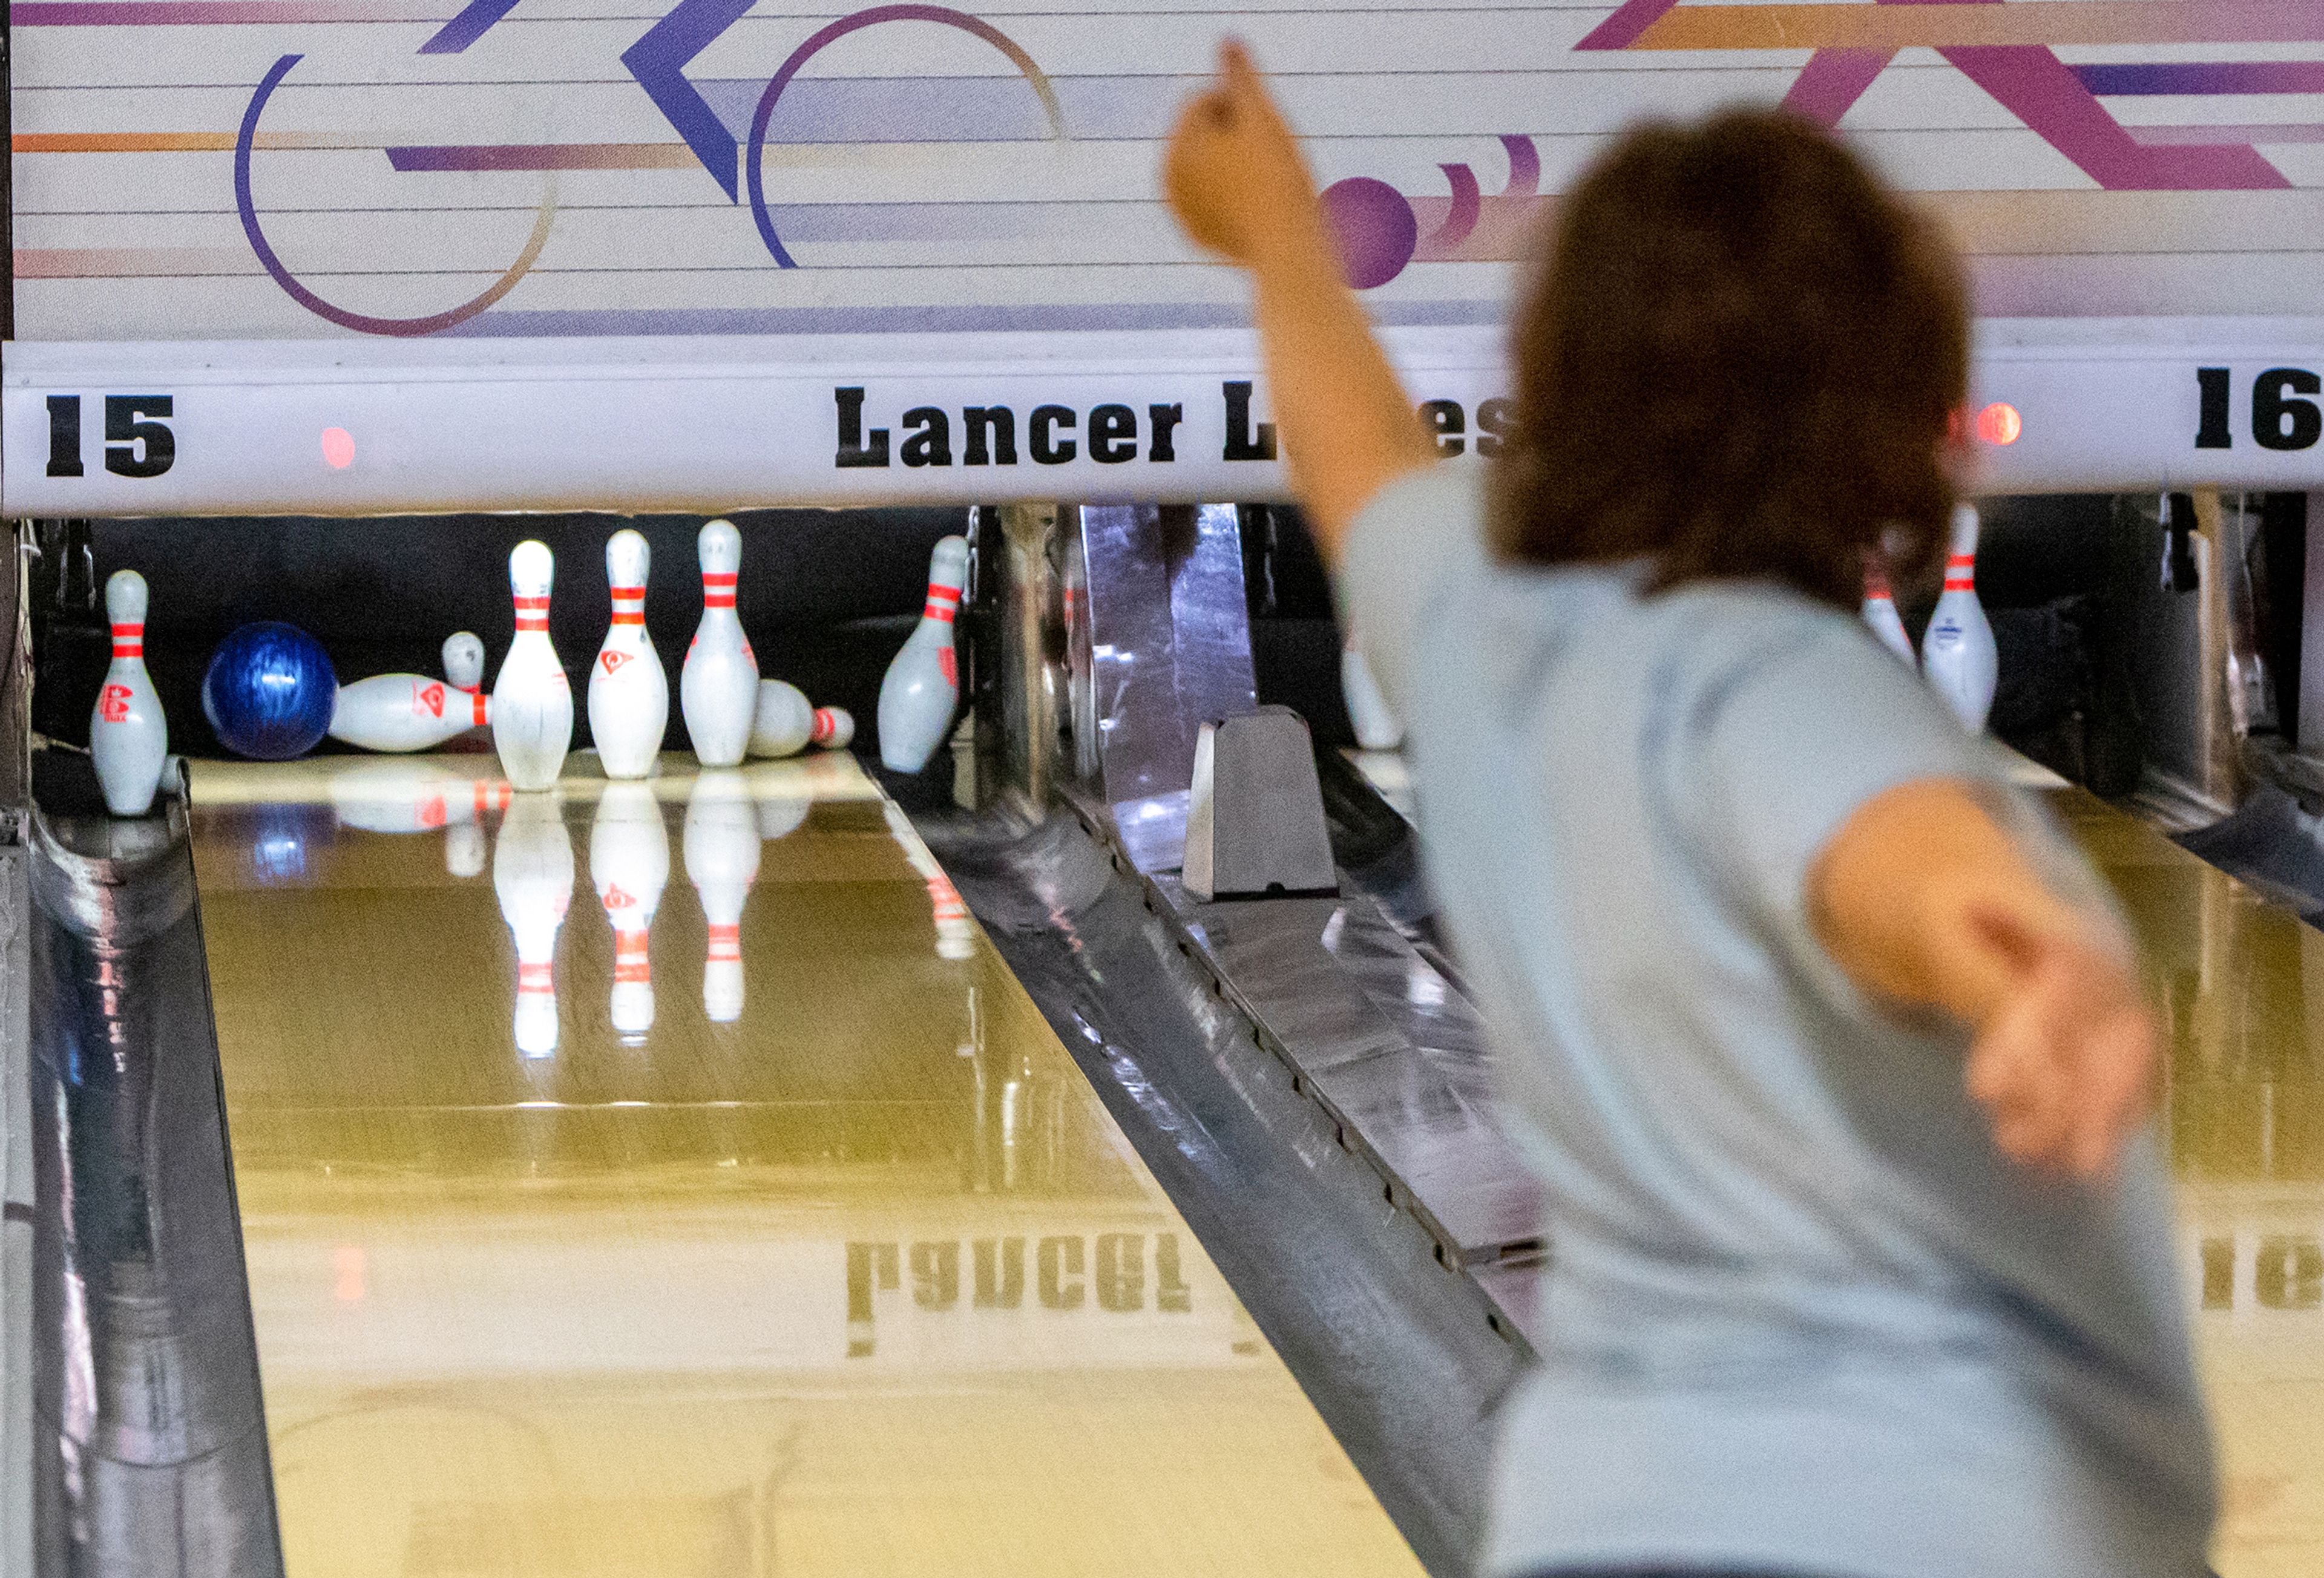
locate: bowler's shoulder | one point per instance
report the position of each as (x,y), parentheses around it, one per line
(1718,643)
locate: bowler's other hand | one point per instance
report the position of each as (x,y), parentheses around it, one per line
(1233,174)
(2066,1061)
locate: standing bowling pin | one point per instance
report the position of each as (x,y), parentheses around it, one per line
(532,701)
(628,860)
(128,737)
(718,688)
(922,689)
(1957,651)
(1881,613)
(405,711)
(464,660)
(1377,728)
(533,876)
(628,693)
(722,861)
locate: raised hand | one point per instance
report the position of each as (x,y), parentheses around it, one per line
(1233,174)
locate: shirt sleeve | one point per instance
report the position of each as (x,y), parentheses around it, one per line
(1786,741)
(1418,538)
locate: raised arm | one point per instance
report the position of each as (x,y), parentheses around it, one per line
(1922,898)
(1238,184)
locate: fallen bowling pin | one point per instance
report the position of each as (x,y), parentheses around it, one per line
(922,688)
(785,722)
(533,876)
(628,693)
(722,861)
(718,686)
(532,701)
(628,860)
(405,712)
(464,660)
(128,736)
(1957,656)
(464,666)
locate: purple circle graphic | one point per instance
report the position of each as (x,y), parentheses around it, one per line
(1376,229)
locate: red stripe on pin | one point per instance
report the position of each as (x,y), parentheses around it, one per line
(536,977)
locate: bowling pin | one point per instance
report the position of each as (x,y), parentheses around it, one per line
(464,660)
(922,687)
(1957,656)
(628,860)
(834,728)
(533,876)
(405,711)
(783,721)
(1377,728)
(128,737)
(532,701)
(464,665)
(722,861)
(1881,613)
(718,688)
(628,693)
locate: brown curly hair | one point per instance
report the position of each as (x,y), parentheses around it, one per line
(1740,361)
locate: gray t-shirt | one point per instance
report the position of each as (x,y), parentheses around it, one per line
(1800,1314)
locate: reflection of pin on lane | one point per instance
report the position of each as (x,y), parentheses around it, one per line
(718,687)
(955,931)
(533,876)
(628,693)
(629,861)
(722,861)
(128,737)
(922,687)
(415,797)
(532,701)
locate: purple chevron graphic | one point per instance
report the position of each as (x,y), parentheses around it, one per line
(473,22)
(658,60)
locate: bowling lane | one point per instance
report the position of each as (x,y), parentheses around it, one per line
(2244,1123)
(841,1270)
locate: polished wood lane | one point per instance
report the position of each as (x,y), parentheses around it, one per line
(2241,981)
(837,1266)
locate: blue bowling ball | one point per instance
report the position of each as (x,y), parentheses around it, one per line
(269,692)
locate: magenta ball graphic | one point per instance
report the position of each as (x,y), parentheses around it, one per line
(1376,229)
